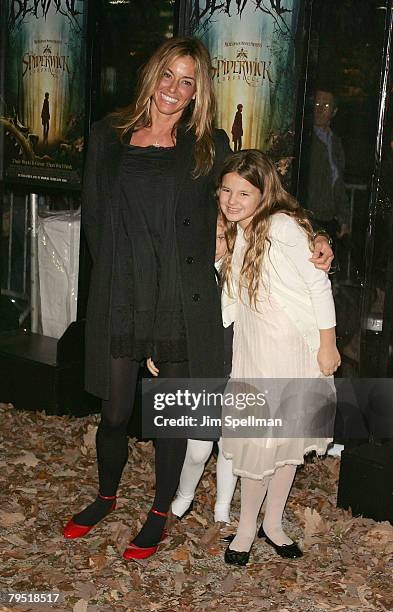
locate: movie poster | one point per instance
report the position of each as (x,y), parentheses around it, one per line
(252,46)
(44,93)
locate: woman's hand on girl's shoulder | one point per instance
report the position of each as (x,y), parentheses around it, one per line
(323,255)
(152,367)
(329,359)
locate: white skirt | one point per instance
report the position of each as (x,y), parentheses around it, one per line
(268,345)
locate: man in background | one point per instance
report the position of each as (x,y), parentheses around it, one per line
(324,192)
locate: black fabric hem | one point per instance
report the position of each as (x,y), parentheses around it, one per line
(160,351)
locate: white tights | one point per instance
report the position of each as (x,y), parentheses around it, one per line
(198,452)
(252,495)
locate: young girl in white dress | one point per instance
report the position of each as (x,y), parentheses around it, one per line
(284,327)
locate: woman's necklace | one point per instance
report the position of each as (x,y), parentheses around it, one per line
(160,141)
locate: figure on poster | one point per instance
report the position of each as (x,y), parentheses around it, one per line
(237,128)
(284,317)
(45,117)
(324,192)
(149,216)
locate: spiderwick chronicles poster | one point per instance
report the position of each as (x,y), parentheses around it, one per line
(252,46)
(43,111)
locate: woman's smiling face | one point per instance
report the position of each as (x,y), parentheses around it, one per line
(177,87)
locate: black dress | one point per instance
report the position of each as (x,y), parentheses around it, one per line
(146,310)
(195,223)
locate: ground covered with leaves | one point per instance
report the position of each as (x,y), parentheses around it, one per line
(48,472)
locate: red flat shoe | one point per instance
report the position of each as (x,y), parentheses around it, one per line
(73,530)
(137,552)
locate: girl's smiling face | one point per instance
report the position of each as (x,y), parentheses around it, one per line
(239,199)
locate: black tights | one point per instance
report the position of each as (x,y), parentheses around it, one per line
(112,449)
(111,438)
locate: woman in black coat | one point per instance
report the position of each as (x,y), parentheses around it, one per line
(149,215)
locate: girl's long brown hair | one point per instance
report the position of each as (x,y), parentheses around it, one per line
(198,116)
(257,169)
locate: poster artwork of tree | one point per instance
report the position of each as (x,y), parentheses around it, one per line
(212,8)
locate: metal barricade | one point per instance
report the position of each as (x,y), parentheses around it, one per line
(20,280)
(16,252)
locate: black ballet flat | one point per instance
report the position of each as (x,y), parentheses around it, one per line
(287,551)
(229,538)
(235,557)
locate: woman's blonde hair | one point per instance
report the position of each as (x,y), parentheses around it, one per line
(257,169)
(199,114)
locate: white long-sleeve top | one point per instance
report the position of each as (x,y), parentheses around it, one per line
(287,274)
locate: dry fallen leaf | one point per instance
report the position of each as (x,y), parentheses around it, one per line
(15,539)
(181,554)
(199,518)
(121,536)
(98,561)
(28,459)
(179,578)
(312,521)
(89,438)
(382,533)
(349,569)
(7,519)
(84,590)
(80,606)
(210,536)
(229,583)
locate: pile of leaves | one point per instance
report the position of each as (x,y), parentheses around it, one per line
(48,472)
